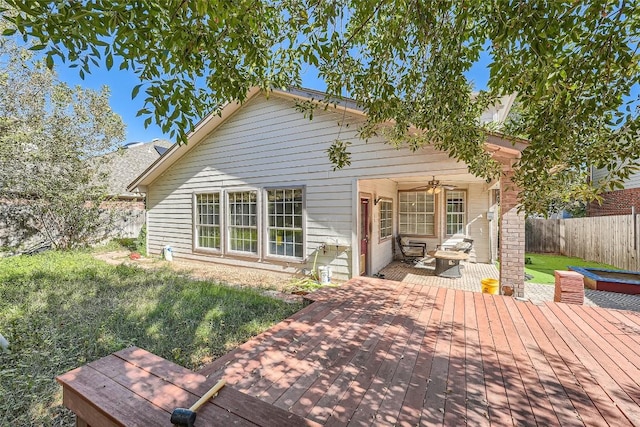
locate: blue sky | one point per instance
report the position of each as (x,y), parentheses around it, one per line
(121,83)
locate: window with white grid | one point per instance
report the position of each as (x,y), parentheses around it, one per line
(284,223)
(456,212)
(416,213)
(386,218)
(243,221)
(207,221)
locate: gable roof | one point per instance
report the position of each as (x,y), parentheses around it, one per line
(498,144)
(128,162)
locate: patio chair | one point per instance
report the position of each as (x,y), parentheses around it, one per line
(411,251)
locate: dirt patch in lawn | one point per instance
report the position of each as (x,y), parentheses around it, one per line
(271,283)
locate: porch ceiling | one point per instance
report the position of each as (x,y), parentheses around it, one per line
(453,178)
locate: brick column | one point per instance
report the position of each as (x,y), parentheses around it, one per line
(511,237)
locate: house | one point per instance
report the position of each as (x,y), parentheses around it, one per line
(617,202)
(123,165)
(129,161)
(254,187)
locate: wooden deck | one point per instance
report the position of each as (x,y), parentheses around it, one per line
(389,353)
(133,387)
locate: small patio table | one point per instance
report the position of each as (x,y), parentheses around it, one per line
(448,263)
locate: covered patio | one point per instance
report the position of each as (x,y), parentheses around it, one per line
(423,273)
(381,352)
(440,212)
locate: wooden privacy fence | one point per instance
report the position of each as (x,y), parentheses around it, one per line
(128,223)
(611,240)
(122,221)
(542,235)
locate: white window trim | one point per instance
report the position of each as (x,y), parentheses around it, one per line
(265,230)
(435,213)
(194,232)
(390,236)
(227,213)
(465,198)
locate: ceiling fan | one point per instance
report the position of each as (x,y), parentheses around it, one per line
(434,186)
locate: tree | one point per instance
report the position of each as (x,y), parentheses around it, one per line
(573,64)
(51,136)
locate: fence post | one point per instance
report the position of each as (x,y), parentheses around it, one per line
(634,235)
(562,244)
(635,229)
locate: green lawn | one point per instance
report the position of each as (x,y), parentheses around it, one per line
(542,266)
(62,310)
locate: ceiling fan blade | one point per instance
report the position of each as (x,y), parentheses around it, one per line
(422,187)
(433,187)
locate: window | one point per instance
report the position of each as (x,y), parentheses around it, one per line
(243,222)
(208,221)
(284,223)
(416,213)
(386,218)
(456,212)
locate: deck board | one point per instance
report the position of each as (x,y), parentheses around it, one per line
(378,352)
(566,396)
(587,363)
(607,373)
(411,410)
(611,341)
(498,410)
(629,325)
(295,393)
(526,390)
(272,386)
(434,403)
(537,370)
(456,394)
(621,330)
(399,386)
(270,359)
(476,388)
(378,367)
(518,400)
(133,387)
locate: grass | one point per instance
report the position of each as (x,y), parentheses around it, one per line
(62,310)
(542,266)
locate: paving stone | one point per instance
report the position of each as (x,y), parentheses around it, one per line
(473,273)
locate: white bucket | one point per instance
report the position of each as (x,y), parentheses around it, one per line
(324,271)
(168,253)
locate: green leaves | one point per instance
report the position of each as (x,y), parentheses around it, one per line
(338,154)
(574,66)
(135,91)
(48,133)
(109,61)
(572,84)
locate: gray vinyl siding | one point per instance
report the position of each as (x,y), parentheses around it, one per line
(477,222)
(382,250)
(632,182)
(267,143)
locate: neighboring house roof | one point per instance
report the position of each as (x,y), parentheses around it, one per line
(130,161)
(500,145)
